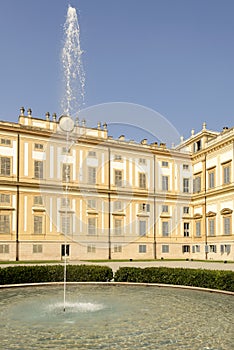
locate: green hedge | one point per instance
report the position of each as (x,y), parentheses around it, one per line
(54,273)
(215,279)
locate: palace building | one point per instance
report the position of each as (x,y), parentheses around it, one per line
(86,195)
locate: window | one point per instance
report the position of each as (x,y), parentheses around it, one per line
(65,202)
(165,228)
(91,248)
(165,208)
(164,164)
(211,227)
(198,228)
(66,150)
(186,210)
(211,179)
(186,229)
(197,146)
(66,172)
(185,185)
(38,219)
(5,198)
(92,175)
(37,248)
(118,178)
(5,166)
(38,169)
(38,146)
(185,249)
(92,226)
(196,249)
(142,227)
(92,154)
(118,157)
(226,173)
(165,248)
(4,223)
(212,248)
(142,161)
(118,227)
(92,204)
(66,224)
(4,248)
(142,248)
(117,206)
(165,183)
(197,184)
(227,225)
(225,248)
(38,200)
(142,180)
(65,250)
(5,142)
(117,248)
(143,207)
(185,167)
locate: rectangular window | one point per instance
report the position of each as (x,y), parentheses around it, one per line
(185,249)
(4,248)
(142,161)
(6,142)
(165,248)
(65,250)
(4,223)
(92,175)
(197,184)
(142,180)
(118,178)
(165,208)
(144,207)
(91,248)
(38,200)
(186,229)
(165,228)
(117,157)
(198,228)
(5,198)
(65,202)
(227,225)
(195,249)
(185,167)
(38,169)
(225,248)
(142,248)
(212,248)
(92,226)
(186,210)
(211,227)
(37,248)
(118,227)
(142,227)
(66,150)
(185,185)
(117,248)
(38,220)
(92,204)
(165,183)
(66,224)
(92,154)
(118,206)
(226,173)
(38,146)
(211,179)
(5,166)
(164,163)
(66,172)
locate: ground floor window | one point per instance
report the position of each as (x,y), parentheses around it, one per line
(91,248)
(142,248)
(4,248)
(65,250)
(165,248)
(196,249)
(213,248)
(37,248)
(225,248)
(185,249)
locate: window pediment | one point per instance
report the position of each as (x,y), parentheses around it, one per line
(210,214)
(197,216)
(226,211)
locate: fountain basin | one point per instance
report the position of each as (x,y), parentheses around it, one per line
(115,317)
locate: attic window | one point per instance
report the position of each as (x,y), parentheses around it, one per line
(197,146)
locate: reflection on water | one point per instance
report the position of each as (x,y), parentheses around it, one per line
(115,317)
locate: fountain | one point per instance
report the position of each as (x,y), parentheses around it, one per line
(115,317)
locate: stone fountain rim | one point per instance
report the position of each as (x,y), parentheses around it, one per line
(136,284)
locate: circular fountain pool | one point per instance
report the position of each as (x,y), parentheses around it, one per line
(115,317)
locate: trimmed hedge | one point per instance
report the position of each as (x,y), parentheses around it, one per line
(54,273)
(214,279)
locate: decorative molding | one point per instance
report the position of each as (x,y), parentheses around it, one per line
(226,211)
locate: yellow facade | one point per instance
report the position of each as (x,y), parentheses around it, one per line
(89,196)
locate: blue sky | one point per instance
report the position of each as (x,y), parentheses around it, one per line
(173,56)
